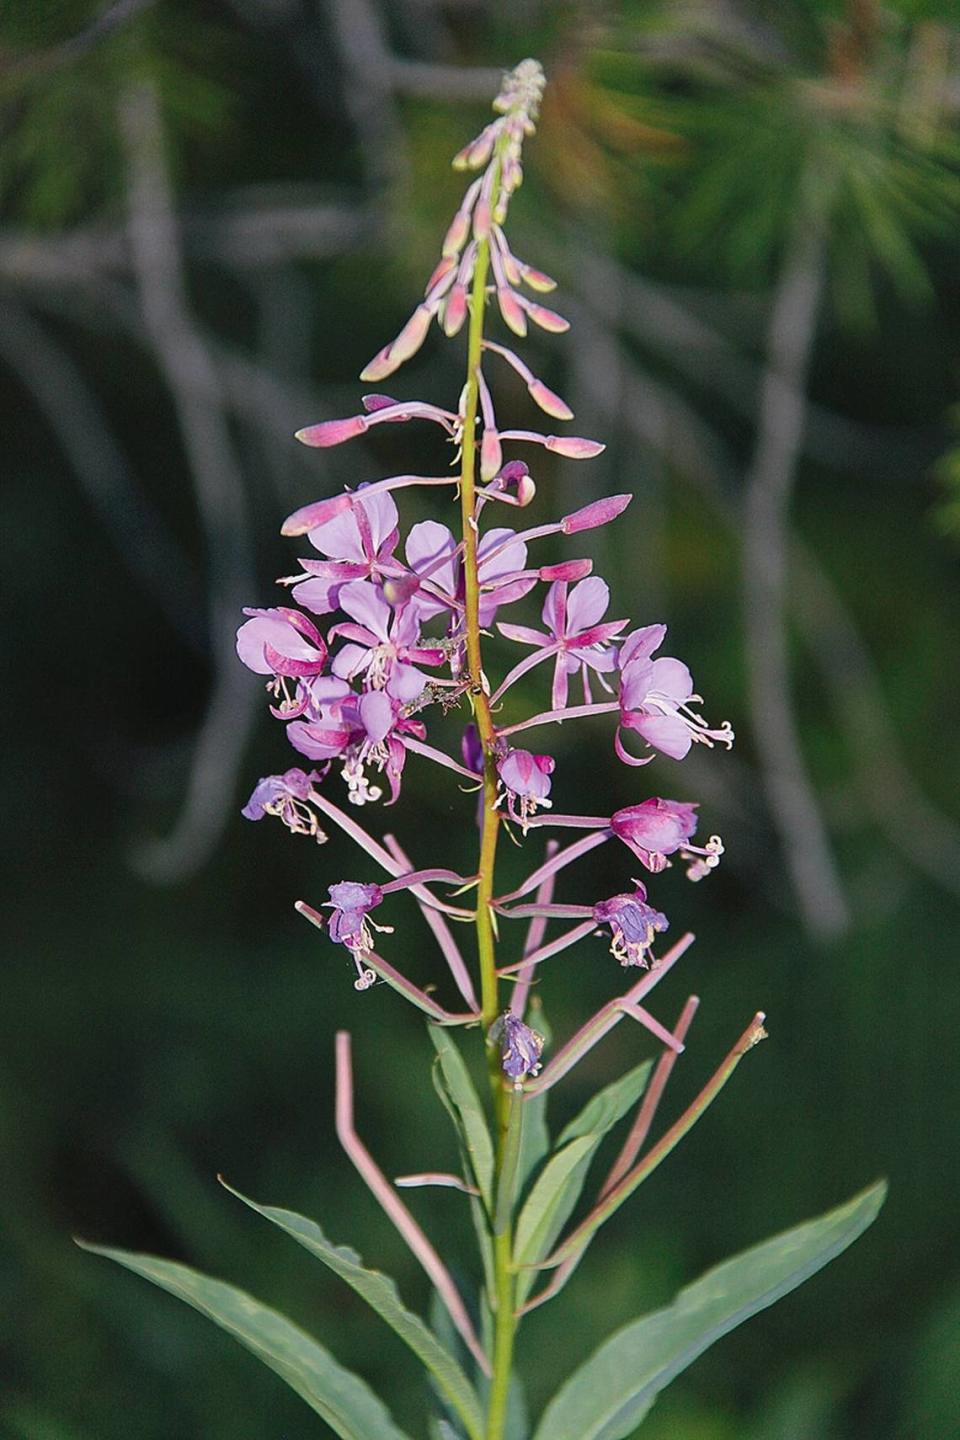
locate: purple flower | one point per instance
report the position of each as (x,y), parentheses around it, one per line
(633,924)
(655,829)
(658,828)
(656,700)
(575,635)
(520,1047)
(360,730)
(471,749)
(384,642)
(434,554)
(285,644)
(351,903)
(526,783)
(281,642)
(358,543)
(286,796)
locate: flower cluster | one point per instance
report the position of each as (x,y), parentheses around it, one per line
(381,639)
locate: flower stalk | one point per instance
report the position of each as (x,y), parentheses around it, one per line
(504,1105)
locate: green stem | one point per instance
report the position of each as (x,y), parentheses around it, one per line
(503,1298)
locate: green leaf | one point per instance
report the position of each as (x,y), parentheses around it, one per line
(509,1165)
(380,1293)
(558,1186)
(463,1096)
(535,1140)
(611,1393)
(478,1212)
(548,1206)
(609,1105)
(345,1402)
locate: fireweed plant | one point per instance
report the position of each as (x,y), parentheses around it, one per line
(356,697)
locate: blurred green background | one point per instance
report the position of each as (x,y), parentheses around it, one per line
(212,215)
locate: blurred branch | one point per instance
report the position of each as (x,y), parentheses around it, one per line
(889,794)
(368,89)
(915,827)
(769,484)
(250,230)
(191,375)
(452,84)
(791,798)
(275,405)
(73,414)
(40,62)
(655,317)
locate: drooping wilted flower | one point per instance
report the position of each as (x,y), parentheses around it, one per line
(633,925)
(287,797)
(520,1047)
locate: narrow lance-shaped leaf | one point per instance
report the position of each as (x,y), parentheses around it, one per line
(345,1402)
(478,1211)
(507,1185)
(380,1292)
(535,1140)
(603,1110)
(611,1393)
(467,1105)
(558,1187)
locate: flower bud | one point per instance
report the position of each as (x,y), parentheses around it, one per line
(406,345)
(574,447)
(511,267)
(372,403)
(511,311)
(600,512)
(478,152)
(310,516)
(491,455)
(481,219)
(332,432)
(442,271)
(566,570)
(455,310)
(455,238)
(526,490)
(537,280)
(547,319)
(549,401)
(379,367)
(513,472)
(412,336)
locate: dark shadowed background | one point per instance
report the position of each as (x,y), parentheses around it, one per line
(212,215)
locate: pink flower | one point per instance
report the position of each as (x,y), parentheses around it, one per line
(361,730)
(285,644)
(433,553)
(384,642)
(658,828)
(359,545)
(281,642)
(526,783)
(656,700)
(575,636)
(655,829)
